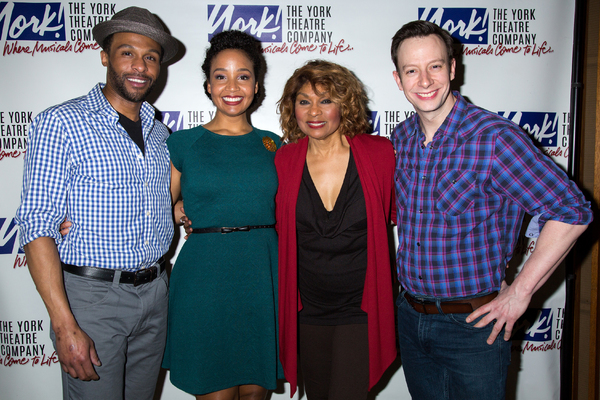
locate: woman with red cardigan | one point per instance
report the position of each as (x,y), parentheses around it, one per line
(333,209)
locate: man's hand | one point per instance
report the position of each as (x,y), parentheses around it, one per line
(506,309)
(187,225)
(553,244)
(76,353)
(181,218)
(74,347)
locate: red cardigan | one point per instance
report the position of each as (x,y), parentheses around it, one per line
(375,162)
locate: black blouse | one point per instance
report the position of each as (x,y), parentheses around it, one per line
(332,252)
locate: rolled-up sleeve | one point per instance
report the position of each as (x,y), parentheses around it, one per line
(532,180)
(44,192)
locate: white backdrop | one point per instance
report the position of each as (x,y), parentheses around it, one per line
(516,60)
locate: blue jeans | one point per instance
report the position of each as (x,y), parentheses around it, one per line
(444,357)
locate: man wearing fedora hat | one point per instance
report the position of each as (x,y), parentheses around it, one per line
(100,161)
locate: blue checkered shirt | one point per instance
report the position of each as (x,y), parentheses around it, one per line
(83,166)
(461,200)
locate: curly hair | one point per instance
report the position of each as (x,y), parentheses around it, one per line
(344,88)
(421,29)
(233,40)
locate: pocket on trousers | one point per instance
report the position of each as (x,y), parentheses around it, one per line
(84,292)
(164,277)
(461,320)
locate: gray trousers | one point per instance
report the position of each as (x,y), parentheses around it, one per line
(128,326)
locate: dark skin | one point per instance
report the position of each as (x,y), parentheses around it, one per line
(232,86)
(231,79)
(132,66)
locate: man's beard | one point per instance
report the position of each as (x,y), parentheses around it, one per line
(118,83)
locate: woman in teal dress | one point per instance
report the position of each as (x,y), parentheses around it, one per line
(222,334)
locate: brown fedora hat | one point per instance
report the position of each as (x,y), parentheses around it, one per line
(141,21)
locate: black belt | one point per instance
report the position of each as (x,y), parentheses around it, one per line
(229,229)
(136,278)
(462,306)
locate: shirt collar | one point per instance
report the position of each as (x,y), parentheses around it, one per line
(455,118)
(450,124)
(98,102)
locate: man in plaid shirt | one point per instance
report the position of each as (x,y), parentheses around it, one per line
(464,179)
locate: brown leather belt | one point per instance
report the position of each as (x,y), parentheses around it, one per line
(463,306)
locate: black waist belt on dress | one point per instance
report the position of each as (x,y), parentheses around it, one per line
(462,306)
(136,278)
(229,229)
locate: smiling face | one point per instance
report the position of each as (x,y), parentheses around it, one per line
(232,83)
(133,65)
(424,75)
(318,117)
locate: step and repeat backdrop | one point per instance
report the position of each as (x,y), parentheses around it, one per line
(515,60)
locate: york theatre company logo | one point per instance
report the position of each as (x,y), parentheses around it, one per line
(388,120)
(539,330)
(549,129)
(20,344)
(491,31)
(13,133)
(290,29)
(178,120)
(50,27)
(9,242)
(262,22)
(173,120)
(375,122)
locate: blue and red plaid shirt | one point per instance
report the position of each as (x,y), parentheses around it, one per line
(462,198)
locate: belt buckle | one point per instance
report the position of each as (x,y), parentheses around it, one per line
(227,229)
(145,275)
(414,301)
(421,303)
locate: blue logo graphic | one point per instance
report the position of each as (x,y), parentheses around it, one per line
(8,237)
(535,325)
(541,126)
(173,120)
(374,122)
(262,22)
(468,25)
(32,21)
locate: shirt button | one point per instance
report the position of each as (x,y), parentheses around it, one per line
(419,244)
(148,213)
(421,210)
(420,277)
(146,243)
(423,177)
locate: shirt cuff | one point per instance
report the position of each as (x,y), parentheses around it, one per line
(533,229)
